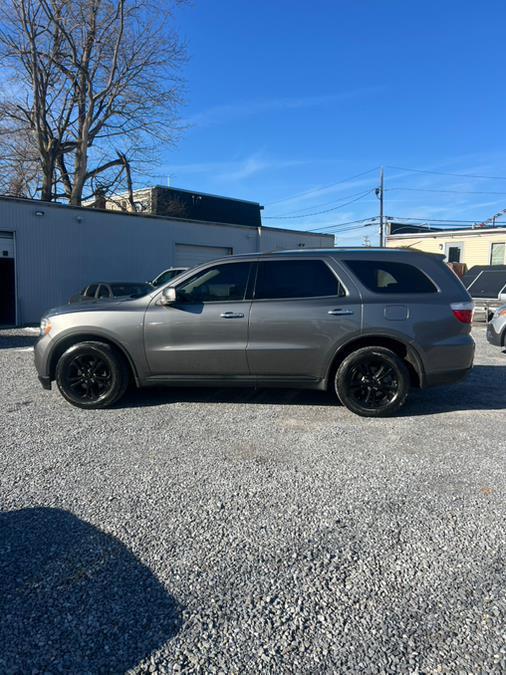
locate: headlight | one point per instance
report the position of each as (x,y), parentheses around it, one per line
(45,327)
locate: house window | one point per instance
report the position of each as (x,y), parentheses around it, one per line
(497,253)
(454,252)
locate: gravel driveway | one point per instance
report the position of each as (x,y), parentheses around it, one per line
(237,531)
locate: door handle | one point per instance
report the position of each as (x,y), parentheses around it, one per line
(232,315)
(340,312)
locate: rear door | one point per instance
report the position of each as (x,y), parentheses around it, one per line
(301,311)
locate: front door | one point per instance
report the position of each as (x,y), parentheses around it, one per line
(300,313)
(204,333)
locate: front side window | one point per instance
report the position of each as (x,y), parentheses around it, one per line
(220,283)
(390,277)
(295,279)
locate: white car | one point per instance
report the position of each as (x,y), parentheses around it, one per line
(167,275)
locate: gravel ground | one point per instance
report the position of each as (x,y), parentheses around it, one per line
(237,531)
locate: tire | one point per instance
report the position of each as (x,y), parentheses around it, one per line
(92,375)
(358,387)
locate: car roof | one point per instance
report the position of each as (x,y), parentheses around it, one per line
(121,283)
(337,252)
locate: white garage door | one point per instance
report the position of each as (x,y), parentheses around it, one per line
(189,255)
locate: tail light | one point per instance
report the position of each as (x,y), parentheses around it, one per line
(463,311)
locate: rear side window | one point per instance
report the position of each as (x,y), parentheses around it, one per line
(390,277)
(295,279)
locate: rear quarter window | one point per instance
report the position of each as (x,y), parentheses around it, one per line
(391,277)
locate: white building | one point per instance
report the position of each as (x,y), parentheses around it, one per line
(50,251)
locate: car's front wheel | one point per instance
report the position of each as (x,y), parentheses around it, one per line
(372,382)
(91,375)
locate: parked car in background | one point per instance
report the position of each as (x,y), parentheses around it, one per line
(487,286)
(167,275)
(105,290)
(367,324)
(496,329)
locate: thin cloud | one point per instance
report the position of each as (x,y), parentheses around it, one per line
(233,170)
(222,114)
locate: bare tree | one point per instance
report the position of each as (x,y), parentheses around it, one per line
(93,84)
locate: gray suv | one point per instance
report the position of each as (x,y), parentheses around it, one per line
(367,324)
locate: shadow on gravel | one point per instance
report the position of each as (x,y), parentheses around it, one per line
(74,599)
(17,341)
(484,389)
(151,396)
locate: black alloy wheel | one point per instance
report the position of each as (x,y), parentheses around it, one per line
(372,382)
(91,375)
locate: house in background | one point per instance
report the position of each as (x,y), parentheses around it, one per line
(187,204)
(468,246)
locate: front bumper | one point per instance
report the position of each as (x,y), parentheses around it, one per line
(41,358)
(45,382)
(493,336)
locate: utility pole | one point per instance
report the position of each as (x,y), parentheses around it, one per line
(380,191)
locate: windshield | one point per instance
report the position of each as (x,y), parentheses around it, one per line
(166,276)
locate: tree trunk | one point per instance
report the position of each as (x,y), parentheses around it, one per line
(48,167)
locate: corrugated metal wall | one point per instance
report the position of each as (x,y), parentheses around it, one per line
(61,250)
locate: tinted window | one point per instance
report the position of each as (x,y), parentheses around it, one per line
(295,279)
(90,293)
(215,284)
(391,277)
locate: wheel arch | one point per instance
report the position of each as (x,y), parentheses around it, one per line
(406,351)
(69,340)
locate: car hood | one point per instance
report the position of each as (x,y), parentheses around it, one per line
(101,306)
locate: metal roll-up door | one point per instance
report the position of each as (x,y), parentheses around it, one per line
(189,255)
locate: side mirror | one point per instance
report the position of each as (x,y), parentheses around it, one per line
(168,296)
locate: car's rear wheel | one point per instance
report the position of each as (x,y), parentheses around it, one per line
(91,375)
(372,382)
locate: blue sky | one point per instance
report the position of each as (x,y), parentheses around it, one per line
(289,97)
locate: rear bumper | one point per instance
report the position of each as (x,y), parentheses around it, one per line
(449,362)
(493,337)
(446,377)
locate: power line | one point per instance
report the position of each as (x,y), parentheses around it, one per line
(314,206)
(337,225)
(444,173)
(324,187)
(436,220)
(354,228)
(457,192)
(317,213)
